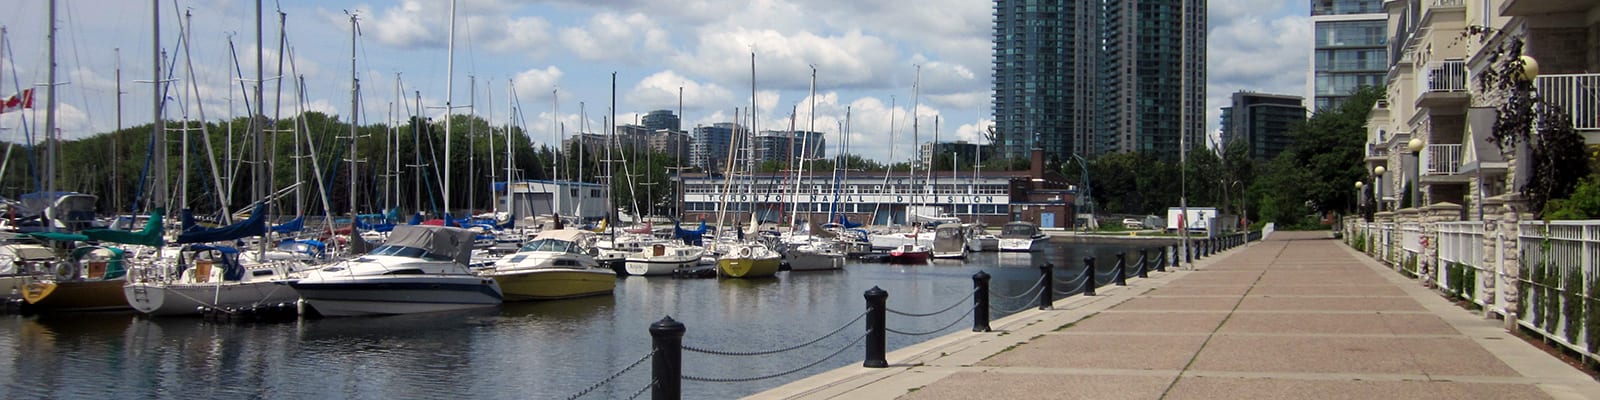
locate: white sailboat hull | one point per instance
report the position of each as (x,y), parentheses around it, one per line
(169,299)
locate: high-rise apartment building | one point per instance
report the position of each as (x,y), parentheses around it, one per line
(661,119)
(1262,121)
(1153,76)
(1349,49)
(1046,61)
(708,149)
(1087,77)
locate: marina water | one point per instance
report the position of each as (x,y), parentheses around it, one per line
(539,350)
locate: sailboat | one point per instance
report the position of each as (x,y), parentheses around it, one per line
(810,249)
(209,276)
(748,258)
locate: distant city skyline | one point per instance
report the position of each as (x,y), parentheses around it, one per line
(866,56)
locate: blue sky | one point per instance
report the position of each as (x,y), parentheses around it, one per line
(866,55)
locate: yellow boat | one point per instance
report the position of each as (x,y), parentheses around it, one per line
(748,260)
(97,286)
(555,265)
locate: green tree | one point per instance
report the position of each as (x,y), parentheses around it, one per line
(1314,174)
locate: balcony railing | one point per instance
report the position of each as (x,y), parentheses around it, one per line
(1578,94)
(1443,76)
(1441,159)
(1376,150)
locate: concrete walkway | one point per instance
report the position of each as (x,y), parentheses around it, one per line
(1299,316)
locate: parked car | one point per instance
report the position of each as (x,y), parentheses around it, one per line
(1132,223)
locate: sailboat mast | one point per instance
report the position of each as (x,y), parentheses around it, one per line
(277,113)
(50,114)
(916,151)
(158,127)
(116,148)
(449,81)
(259,168)
(472,140)
(355,87)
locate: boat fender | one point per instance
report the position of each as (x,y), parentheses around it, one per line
(744,252)
(66,270)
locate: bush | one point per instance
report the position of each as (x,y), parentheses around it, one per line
(1584,203)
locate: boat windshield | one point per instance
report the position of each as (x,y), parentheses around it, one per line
(554,245)
(947,234)
(1018,230)
(406,251)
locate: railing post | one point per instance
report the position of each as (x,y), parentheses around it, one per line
(1161,264)
(1047,292)
(667,368)
(1188,252)
(1088,275)
(1144,263)
(876,327)
(980,302)
(876,311)
(1122,269)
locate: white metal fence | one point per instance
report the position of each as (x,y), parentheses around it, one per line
(1443,76)
(1442,159)
(1461,243)
(1559,282)
(1578,94)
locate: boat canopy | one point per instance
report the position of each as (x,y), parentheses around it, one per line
(1018,229)
(150,236)
(452,242)
(256,225)
(570,235)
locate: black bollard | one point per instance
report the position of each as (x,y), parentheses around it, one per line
(980,300)
(667,368)
(1188,253)
(1088,274)
(1122,269)
(876,300)
(1047,293)
(1144,261)
(1161,262)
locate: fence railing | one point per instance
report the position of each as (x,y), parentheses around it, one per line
(1578,94)
(1441,159)
(1559,282)
(1461,260)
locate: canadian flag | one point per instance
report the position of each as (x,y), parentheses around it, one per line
(18,101)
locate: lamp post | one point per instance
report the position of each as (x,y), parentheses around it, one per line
(1377,195)
(1361,199)
(1415,145)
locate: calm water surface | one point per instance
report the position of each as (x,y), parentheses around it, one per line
(517,351)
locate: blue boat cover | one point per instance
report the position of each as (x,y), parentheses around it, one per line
(231,270)
(844,220)
(294,225)
(256,225)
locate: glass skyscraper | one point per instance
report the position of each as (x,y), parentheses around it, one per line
(1349,49)
(1088,77)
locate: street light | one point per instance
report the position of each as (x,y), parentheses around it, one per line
(1378,191)
(1416,145)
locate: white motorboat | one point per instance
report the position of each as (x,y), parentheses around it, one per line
(1021,236)
(554,265)
(663,258)
(420,269)
(950,241)
(816,255)
(980,240)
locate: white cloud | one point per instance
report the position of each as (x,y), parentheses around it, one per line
(660,91)
(632,38)
(783,59)
(1254,50)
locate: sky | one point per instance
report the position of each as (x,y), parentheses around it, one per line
(558,57)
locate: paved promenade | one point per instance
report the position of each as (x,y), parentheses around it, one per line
(1299,316)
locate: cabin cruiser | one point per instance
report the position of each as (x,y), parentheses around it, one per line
(420,269)
(1021,236)
(554,265)
(950,241)
(980,240)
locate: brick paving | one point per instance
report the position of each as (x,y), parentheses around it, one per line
(1299,316)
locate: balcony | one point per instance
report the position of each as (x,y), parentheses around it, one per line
(1578,95)
(1442,84)
(1377,152)
(1535,7)
(1441,159)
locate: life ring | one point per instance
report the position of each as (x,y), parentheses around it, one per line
(66,270)
(744,252)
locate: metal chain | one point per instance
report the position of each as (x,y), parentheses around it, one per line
(1069,281)
(770,376)
(642,390)
(951,307)
(614,376)
(769,352)
(1077,289)
(963,317)
(1010,311)
(1036,285)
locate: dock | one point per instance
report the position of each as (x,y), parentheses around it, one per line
(1298,316)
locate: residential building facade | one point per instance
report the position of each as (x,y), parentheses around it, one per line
(1046,76)
(1262,121)
(1153,76)
(1350,48)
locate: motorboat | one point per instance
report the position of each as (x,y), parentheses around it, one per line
(910,253)
(211,277)
(421,268)
(950,241)
(980,240)
(554,265)
(747,260)
(1021,236)
(663,258)
(816,255)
